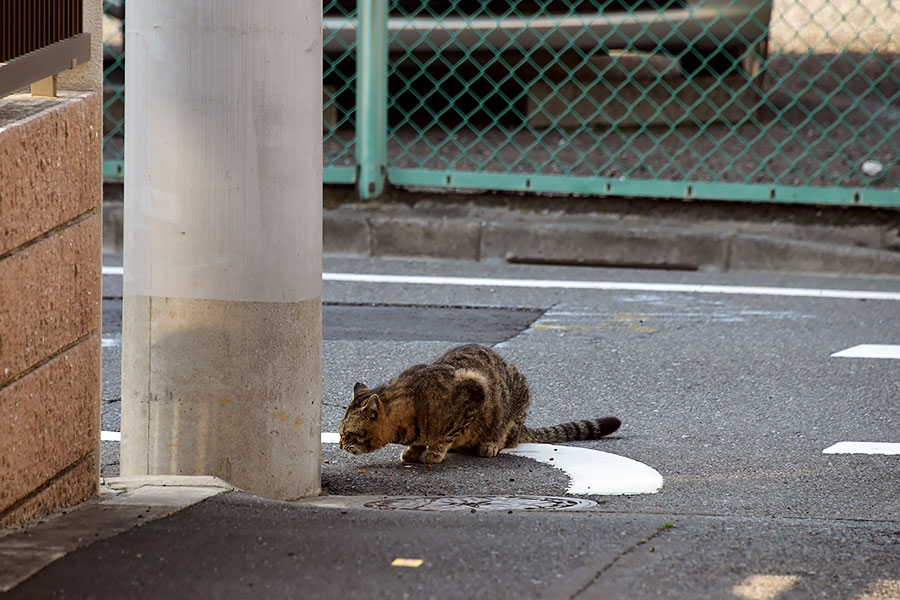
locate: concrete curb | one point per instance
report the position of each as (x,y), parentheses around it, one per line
(594,240)
(766,253)
(124,502)
(693,240)
(606,244)
(170,491)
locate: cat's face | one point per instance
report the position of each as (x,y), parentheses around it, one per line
(358,427)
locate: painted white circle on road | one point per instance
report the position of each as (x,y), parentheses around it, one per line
(591,472)
(594,472)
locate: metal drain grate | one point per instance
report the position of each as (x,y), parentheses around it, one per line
(481,503)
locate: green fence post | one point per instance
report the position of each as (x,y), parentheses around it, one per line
(371,97)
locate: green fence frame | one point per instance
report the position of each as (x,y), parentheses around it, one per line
(642,188)
(362,138)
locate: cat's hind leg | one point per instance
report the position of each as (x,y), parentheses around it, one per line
(412,454)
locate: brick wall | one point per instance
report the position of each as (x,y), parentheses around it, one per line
(49,303)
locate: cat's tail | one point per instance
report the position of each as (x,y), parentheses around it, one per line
(590,429)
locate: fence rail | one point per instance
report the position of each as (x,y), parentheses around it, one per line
(756,100)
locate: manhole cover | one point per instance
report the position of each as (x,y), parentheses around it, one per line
(481,503)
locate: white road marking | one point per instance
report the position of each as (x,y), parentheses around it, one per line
(594,472)
(330,437)
(111,341)
(863,448)
(682,288)
(870,351)
(116,436)
(615,286)
(590,471)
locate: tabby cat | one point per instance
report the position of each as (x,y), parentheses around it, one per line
(468,400)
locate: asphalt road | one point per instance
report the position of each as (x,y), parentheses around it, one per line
(732,397)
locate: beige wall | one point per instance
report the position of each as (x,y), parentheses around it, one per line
(88,76)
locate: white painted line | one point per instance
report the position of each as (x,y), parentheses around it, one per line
(683,288)
(870,351)
(590,471)
(330,437)
(863,448)
(594,472)
(111,341)
(110,436)
(615,286)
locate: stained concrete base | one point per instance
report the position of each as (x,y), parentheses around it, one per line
(190,408)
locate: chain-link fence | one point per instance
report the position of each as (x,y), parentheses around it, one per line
(113,89)
(784,100)
(339,101)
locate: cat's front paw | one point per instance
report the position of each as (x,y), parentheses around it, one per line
(412,454)
(432,457)
(488,450)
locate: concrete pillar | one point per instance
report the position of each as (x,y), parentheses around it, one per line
(221,369)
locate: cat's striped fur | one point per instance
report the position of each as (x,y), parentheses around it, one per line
(587,429)
(468,400)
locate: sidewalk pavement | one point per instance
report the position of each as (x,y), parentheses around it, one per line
(146,539)
(124,503)
(188,537)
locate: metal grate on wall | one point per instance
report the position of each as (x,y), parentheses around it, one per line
(28,25)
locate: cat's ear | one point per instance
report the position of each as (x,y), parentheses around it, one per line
(372,406)
(359,388)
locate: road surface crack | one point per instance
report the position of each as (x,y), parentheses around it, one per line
(619,556)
